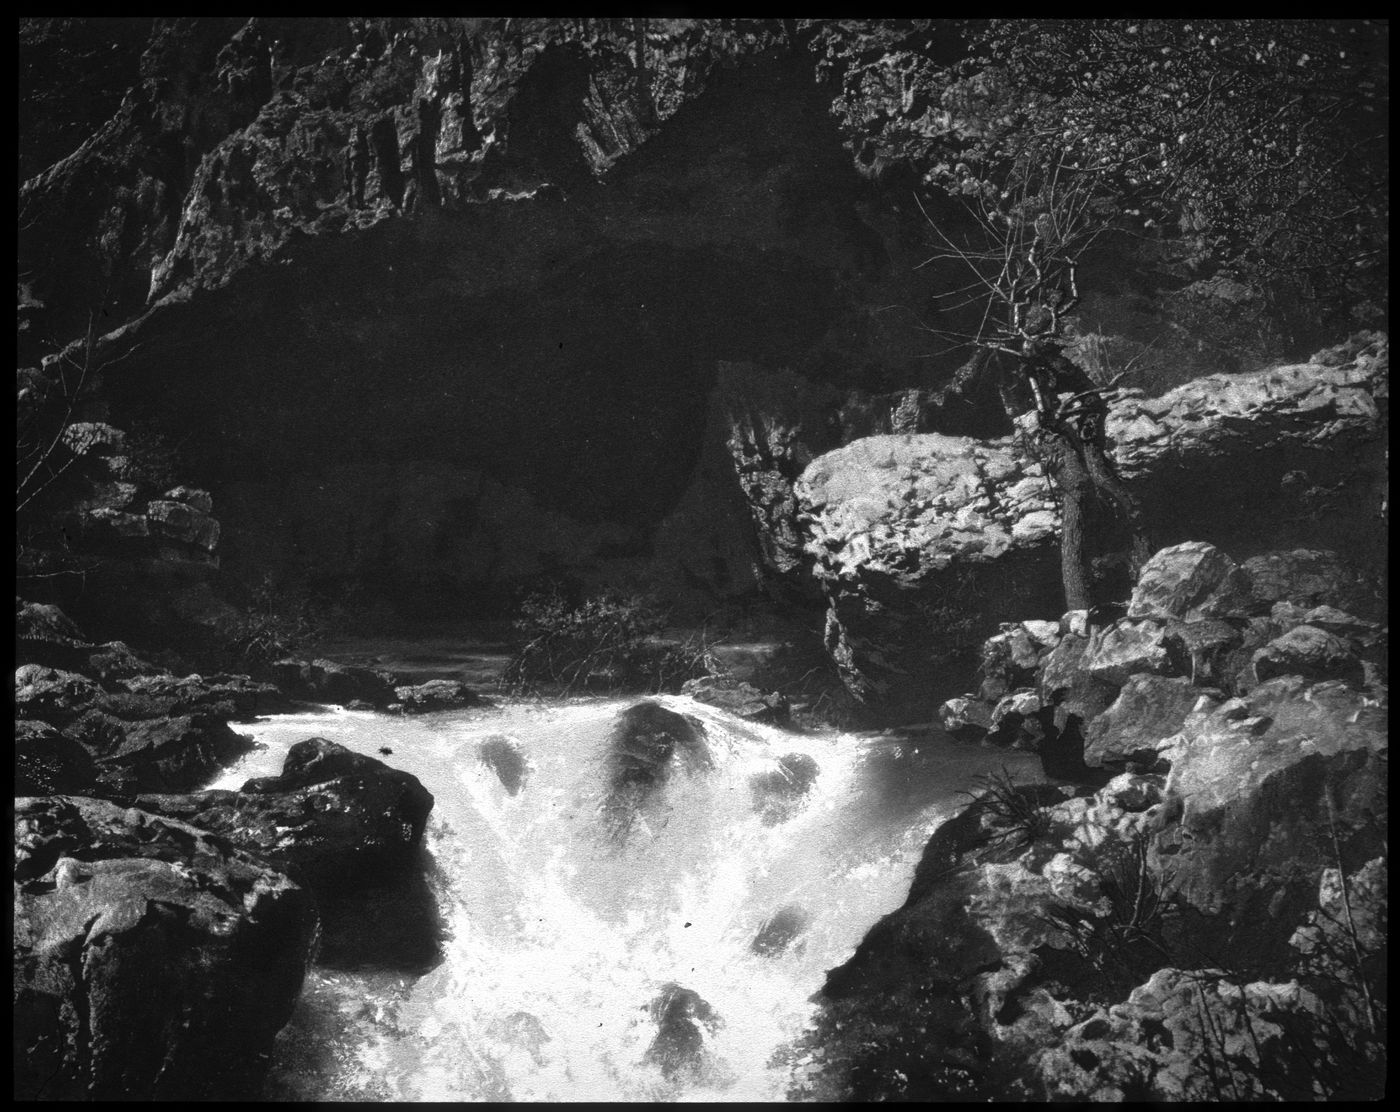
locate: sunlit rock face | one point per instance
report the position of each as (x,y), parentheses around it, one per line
(902,529)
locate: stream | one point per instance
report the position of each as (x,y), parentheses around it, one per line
(673,961)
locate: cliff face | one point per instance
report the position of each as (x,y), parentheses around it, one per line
(434,305)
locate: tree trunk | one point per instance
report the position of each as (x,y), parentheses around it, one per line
(1105,479)
(1060,453)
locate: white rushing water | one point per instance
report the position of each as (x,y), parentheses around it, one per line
(560,936)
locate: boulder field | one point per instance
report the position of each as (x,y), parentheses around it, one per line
(1193,907)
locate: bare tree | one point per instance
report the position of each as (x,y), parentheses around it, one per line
(1026,274)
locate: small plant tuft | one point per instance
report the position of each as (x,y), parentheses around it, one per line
(1016,821)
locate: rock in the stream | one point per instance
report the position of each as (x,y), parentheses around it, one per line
(153,961)
(645,743)
(434,695)
(742,700)
(503,755)
(682,1016)
(780,930)
(779,792)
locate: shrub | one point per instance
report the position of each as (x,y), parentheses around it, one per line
(275,624)
(609,642)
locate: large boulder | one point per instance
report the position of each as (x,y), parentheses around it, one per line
(904,529)
(1149,709)
(1271,788)
(332,818)
(1189,580)
(153,960)
(645,744)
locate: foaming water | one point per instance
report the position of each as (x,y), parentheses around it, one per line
(578,965)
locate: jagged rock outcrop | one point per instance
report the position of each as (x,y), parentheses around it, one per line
(152,961)
(901,527)
(115,724)
(1102,942)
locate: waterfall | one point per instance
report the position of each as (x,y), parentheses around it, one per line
(668,958)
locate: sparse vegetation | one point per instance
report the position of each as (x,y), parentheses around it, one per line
(1125,946)
(610,642)
(274,624)
(1016,820)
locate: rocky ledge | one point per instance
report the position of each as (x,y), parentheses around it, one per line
(152,960)
(911,533)
(1200,915)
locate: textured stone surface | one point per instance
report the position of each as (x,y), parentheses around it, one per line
(890,519)
(1179,582)
(742,700)
(1311,652)
(435,695)
(153,961)
(1311,577)
(1149,710)
(333,817)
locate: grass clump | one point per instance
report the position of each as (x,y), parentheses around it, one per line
(611,642)
(1125,946)
(1015,818)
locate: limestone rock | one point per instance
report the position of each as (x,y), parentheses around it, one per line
(1310,652)
(896,524)
(1258,778)
(191,496)
(742,700)
(1185,581)
(1127,647)
(178,521)
(966,717)
(330,682)
(1148,710)
(1153,1046)
(435,695)
(164,753)
(48,763)
(153,961)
